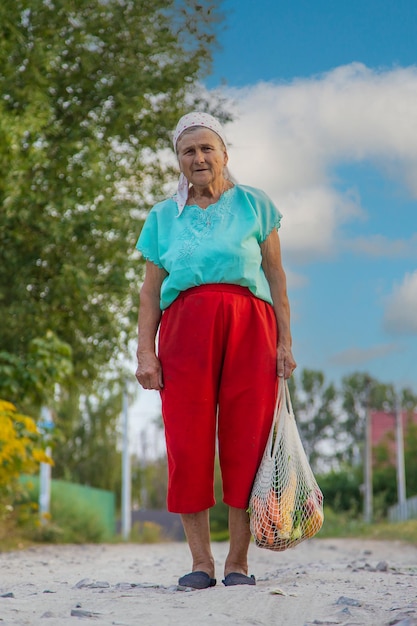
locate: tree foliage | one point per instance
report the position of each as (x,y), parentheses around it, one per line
(87,435)
(21,451)
(411,458)
(88,94)
(149,482)
(360,393)
(33,377)
(314,406)
(343,487)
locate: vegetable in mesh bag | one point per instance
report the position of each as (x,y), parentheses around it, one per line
(286,504)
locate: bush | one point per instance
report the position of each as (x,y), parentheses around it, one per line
(342,490)
(21,451)
(341,524)
(147,532)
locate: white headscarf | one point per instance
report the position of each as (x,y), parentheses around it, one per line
(188,121)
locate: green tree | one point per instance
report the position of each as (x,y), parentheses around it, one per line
(89,93)
(150,482)
(86,446)
(384,480)
(408,400)
(360,393)
(32,378)
(314,407)
(355,394)
(411,458)
(385,475)
(341,489)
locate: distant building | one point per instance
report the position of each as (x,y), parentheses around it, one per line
(383,431)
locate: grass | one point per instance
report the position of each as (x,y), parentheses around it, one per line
(84,528)
(70,521)
(345,526)
(12,537)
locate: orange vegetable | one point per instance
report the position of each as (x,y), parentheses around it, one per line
(273,508)
(261,523)
(313,524)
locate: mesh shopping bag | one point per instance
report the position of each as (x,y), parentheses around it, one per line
(286,504)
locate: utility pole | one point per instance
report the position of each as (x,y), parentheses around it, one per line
(46,423)
(399,437)
(126,473)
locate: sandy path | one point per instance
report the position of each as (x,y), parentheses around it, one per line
(347,582)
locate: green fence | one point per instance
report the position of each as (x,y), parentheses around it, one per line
(99,501)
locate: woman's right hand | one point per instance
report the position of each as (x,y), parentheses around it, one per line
(149,371)
(285,361)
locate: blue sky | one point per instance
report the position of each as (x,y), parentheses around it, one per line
(324,95)
(282,39)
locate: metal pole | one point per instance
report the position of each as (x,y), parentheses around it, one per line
(368,465)
(399,436)
(126,478)
(45,489)
(46,424)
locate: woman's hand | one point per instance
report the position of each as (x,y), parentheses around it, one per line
(149,371)
(285,361)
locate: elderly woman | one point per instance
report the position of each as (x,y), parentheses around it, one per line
(215,288)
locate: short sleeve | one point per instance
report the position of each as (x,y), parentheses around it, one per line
(148,242)
(268,216)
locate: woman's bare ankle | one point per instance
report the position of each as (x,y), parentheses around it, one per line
(204,566)
(235,566)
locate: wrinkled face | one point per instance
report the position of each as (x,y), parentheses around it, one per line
(202,156)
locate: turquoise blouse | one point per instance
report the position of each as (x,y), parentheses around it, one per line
(219,244)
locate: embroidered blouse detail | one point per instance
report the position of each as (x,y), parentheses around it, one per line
(202,223)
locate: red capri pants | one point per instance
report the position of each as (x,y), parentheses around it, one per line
(217,347)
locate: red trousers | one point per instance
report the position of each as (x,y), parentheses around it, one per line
(217,347)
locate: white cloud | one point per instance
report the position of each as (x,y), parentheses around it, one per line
(382,247)
(360,356)
(401,307)
(288,138)
(311,218)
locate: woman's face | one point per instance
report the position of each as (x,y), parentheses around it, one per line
(202,156)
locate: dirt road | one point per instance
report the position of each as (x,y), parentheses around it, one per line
(348,582)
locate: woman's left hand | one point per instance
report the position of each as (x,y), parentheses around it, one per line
(285,361)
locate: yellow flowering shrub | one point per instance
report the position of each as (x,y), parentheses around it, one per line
(21,449)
